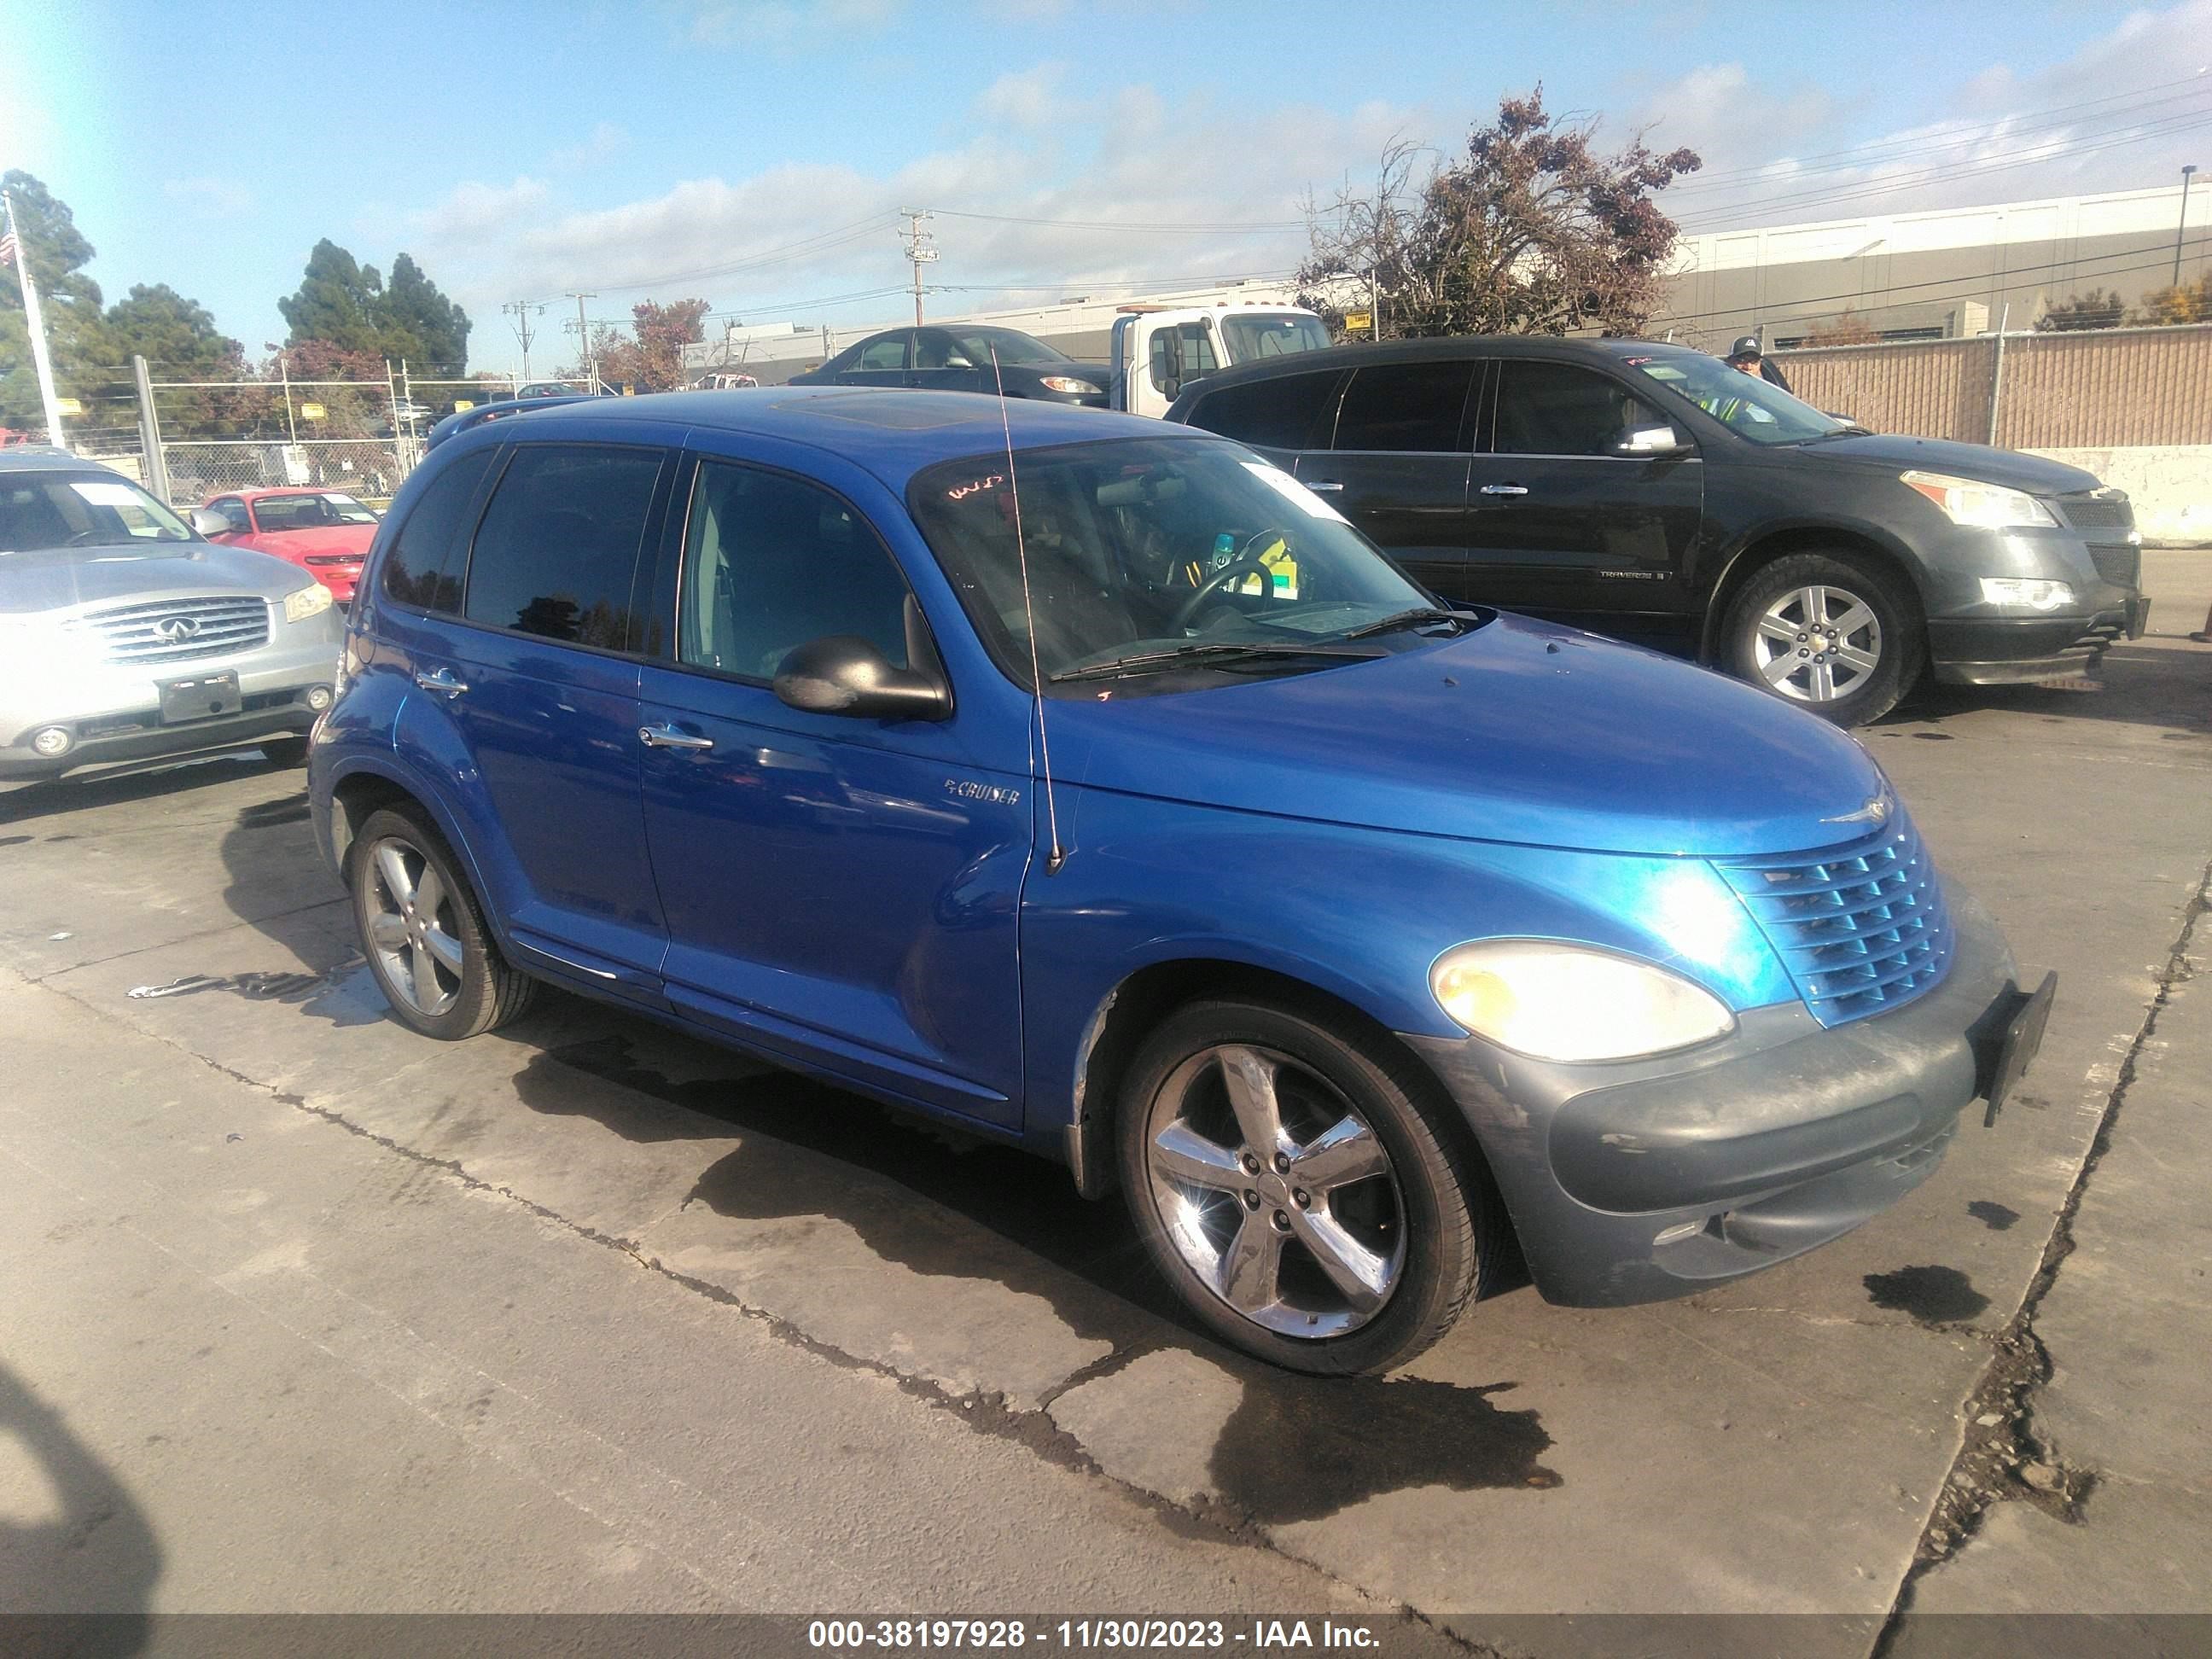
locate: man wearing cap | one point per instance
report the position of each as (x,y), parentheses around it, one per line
(1746,356)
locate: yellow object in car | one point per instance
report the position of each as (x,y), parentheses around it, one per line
(1282,572)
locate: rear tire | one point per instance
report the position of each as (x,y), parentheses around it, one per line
(1837,634)
(424,934)
(1350,1243)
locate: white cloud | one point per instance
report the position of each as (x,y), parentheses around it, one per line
(473,209)
(1026,98)
(225,195)
(607,139)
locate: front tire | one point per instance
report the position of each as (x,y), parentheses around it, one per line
(423,933)
(1295,1191)
(1834,633)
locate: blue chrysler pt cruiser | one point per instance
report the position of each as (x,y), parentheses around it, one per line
(1091,784)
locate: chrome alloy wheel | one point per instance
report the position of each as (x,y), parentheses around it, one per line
(1276,1193)
(411,927)
(1817,644)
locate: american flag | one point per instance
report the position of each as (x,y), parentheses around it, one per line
(7,248)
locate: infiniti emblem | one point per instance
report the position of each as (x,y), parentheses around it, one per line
(175,630)
(1874,811)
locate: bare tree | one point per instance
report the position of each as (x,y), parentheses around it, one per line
(1530,231)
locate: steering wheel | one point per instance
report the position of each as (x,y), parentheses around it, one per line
(1244,564)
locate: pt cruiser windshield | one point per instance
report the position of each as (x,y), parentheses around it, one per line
(1147,554)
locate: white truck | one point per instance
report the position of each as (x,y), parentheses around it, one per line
(1156,350)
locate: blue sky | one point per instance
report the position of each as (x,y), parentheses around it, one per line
(753,152)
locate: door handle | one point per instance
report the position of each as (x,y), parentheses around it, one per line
(1326,487)
(441,681)
(1505,490)
(667,737)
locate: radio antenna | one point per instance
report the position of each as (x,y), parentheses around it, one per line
(1057,857)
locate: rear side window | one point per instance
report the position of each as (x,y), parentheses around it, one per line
(559,543)
(1559,409)
(1404,406)
(880,354)
(1284,411)
(423,569)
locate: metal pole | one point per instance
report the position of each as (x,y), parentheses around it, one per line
(284,369)
(1997,372)
(2182,224)
(149,431)
(36,325)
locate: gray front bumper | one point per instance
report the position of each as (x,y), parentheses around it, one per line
(1636,1180)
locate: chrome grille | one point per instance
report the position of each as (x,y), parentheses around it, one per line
(2098,512)
(177,630)
(1861,927)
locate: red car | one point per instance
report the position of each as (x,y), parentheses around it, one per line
(325,532)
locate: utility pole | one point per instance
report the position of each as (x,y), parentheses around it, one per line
(2183,224)
(522,311)
(35,326)
(919,252)
(584,343)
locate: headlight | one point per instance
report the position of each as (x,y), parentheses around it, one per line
(309,601)
(2022,590)
(1980,506)
(1572,1002)
(1065,383)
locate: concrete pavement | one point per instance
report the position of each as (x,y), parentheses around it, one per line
(587,1315)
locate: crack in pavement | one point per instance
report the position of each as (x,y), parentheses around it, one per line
(986,1411)
(2000,1459)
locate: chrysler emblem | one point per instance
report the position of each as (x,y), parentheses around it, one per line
(1876,810)
(175,630)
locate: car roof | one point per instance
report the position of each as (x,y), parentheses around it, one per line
(46,457)
(1447,348)
(258,492)
(894,433)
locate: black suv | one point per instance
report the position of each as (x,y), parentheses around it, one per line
(1653,492)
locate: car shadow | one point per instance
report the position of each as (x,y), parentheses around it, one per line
(30,803)
(2166,689)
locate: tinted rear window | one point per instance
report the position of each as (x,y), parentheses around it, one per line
(1286,411)
(559,543)
(1404,406)
(425,564)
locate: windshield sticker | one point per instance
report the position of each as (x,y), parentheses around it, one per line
(102,494)
(1291,490)
(962,492)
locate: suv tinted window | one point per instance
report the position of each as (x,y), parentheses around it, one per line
(1559,409)
(1284,411)
(424,566)
(1404,406)
(770,563)
(558,545)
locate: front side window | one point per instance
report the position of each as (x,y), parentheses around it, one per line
(1287,412)
(424,568)
(1404,407)
(1745,404)
(558,546)
(771,562)
(1561,409)
(934,349)
(888,353)
(43,510)
(1197,350)
(1010,345)
(1144,545)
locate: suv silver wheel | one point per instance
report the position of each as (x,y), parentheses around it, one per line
(1278,1194)
(413,928)
(1817,643)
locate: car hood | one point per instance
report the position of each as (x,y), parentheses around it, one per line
(1518,732)
(57,579)
(323,538)
(1983,464)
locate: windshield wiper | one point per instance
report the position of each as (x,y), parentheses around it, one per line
(1214,651)
(1849,429)
(1419,618)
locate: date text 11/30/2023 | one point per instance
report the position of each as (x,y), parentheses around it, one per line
(1258,1635)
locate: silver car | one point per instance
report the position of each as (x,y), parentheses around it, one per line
(127,636)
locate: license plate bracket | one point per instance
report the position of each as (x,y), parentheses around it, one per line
(2016,1041)
(205,696)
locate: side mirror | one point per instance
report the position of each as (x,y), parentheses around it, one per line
(1650,442)
(208,522)
(844,674)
